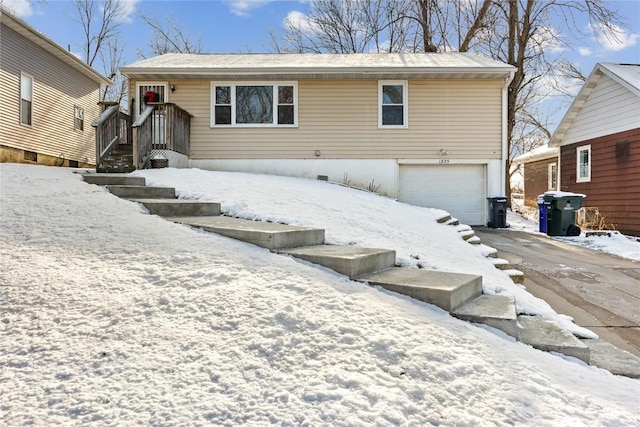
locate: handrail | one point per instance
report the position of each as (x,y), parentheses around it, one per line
(161,126)
(112,128)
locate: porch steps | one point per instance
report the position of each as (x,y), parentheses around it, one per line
(142,192)
(120,160)
(448,291)
(613,359)
(268,235)
(351,261)
(179,207)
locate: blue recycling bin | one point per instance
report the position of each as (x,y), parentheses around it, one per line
(542,215)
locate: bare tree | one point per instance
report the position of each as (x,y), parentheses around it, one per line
(169,37)
(521,33)
(347,26)
(101,23)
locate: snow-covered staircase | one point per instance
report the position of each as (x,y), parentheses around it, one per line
(459,294)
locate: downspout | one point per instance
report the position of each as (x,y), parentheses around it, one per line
(505,138)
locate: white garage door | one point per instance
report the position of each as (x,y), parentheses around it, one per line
(458,189)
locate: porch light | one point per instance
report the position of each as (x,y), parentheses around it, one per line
(173,88)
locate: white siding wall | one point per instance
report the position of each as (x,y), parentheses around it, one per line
(609,109)
(56,89)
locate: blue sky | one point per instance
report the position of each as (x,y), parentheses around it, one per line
(241,26)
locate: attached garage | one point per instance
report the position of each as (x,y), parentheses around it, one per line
(459,189)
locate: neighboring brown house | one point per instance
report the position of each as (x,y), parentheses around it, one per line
(48,96)
(428,129)
(540,171)
(599,141)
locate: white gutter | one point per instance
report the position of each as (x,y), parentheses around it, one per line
(505,137)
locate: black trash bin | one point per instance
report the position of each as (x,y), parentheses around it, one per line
(497,212)
(561,213)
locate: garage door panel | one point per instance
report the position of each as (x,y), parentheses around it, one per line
(458,189)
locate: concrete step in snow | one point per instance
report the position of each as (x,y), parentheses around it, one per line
(264,234)
(351,261)
(467,234)
(613,359)
(500,264)
(113,179)
(516,275)
(547,336)
(179,207)
(443,219)
(142,192)
(446,290)
(498,311)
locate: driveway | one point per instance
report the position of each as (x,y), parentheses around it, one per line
(601,292)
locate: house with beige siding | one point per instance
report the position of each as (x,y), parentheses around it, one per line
(427,129)
(599,143)
(48,96)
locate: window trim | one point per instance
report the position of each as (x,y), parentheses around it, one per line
(579,150)
(405,103)
(234,84)
(78,120)
(30,77)
(550,184)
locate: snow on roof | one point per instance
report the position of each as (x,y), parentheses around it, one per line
(365,64)
(541,153)
(626,74)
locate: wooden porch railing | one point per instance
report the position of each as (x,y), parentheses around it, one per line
(112,128)
(161,126)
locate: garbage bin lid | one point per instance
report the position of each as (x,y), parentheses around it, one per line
(497,199)
(560,194)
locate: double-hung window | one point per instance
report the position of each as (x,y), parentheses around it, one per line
(392,100)
(552,176)
(583,164)
(254,104)
(26,99)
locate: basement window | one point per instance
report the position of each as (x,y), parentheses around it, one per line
(30,156)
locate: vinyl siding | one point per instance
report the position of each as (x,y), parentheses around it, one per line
(536,180)
(57,87)
(340,118)
(615,178)
(609,109)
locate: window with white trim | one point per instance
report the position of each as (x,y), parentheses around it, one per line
(78,118)
(552,176)
(583,163)
(254,104)
(26,99)
(392,100)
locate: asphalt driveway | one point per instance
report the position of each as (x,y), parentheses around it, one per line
(601,292)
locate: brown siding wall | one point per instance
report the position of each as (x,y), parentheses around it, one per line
(56,89)
(340,118)
(615,178)
(536,180)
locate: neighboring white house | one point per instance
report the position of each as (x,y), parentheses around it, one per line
(599,143)
(428,129)
(48,99)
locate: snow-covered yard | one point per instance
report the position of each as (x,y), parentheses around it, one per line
(115,317)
